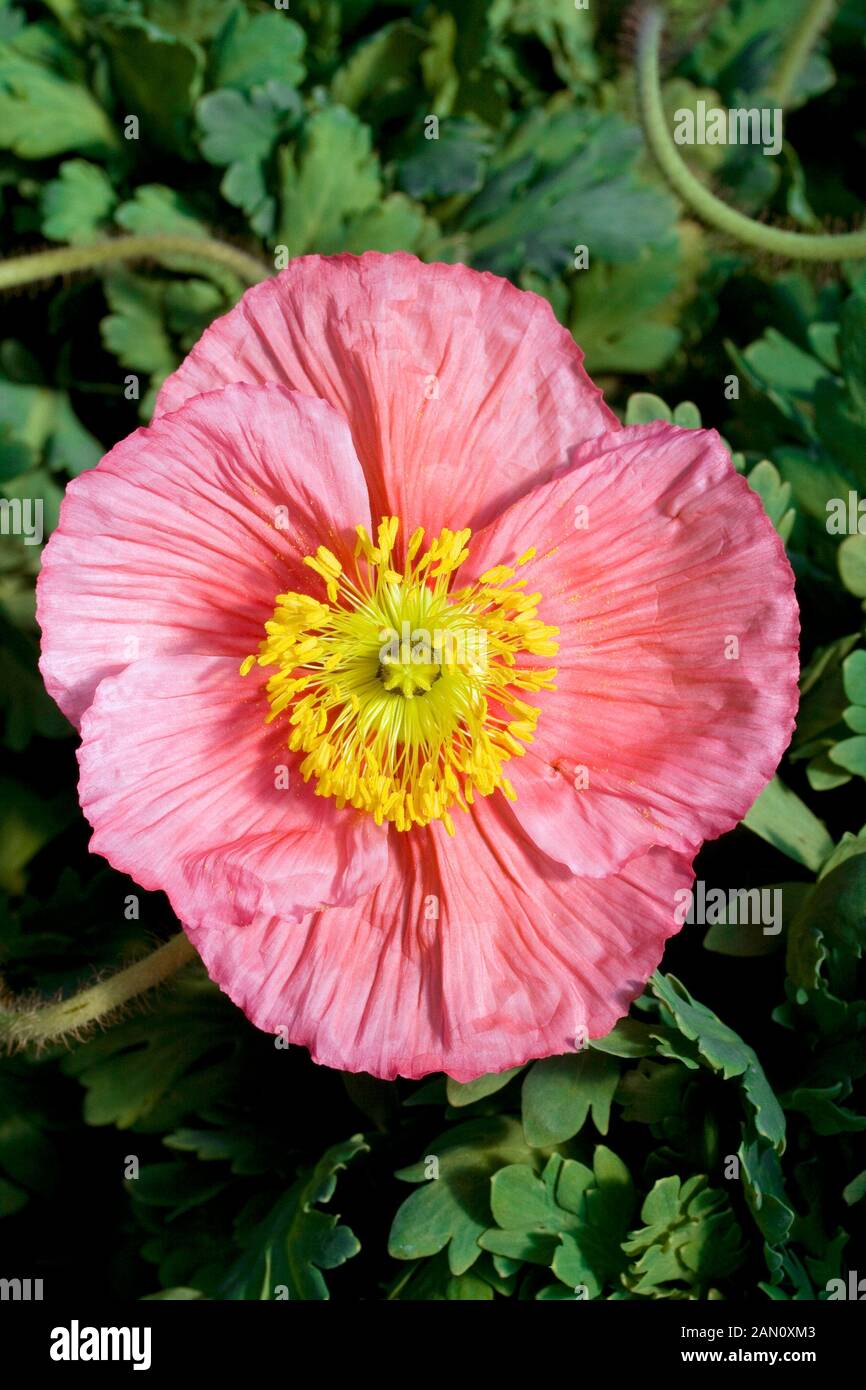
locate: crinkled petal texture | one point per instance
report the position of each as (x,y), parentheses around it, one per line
(189,791)
(677,665)
(471,956)
(156,585)
(460,390)
(178,542)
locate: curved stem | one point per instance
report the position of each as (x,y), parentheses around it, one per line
(42,265)
(797,245)
(815,17)
(44,1023)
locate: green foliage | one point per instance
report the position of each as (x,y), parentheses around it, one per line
(565,177)
(330,177)
(712,1145)
(287,1251)
(452,1208)
(145,1077)
(251,50)
(690,1240)
(560,1092)
(42,111)
(78,203)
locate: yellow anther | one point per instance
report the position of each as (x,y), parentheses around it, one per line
(387,687)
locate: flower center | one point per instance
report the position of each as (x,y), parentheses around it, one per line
(405,694)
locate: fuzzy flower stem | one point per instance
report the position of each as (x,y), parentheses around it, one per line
(45,1023)
(64,260)
(814,19)
(805,246)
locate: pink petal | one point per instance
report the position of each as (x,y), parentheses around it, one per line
(174,543)
(182,782)
(522,957)
(461,391)
(678,556)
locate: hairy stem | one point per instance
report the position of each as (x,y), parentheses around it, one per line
(43,265)
(44,1023)
(806,246)
(814,19)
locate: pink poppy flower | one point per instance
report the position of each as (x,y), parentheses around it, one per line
(407,856)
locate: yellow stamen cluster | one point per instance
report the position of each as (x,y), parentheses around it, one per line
(405,695)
